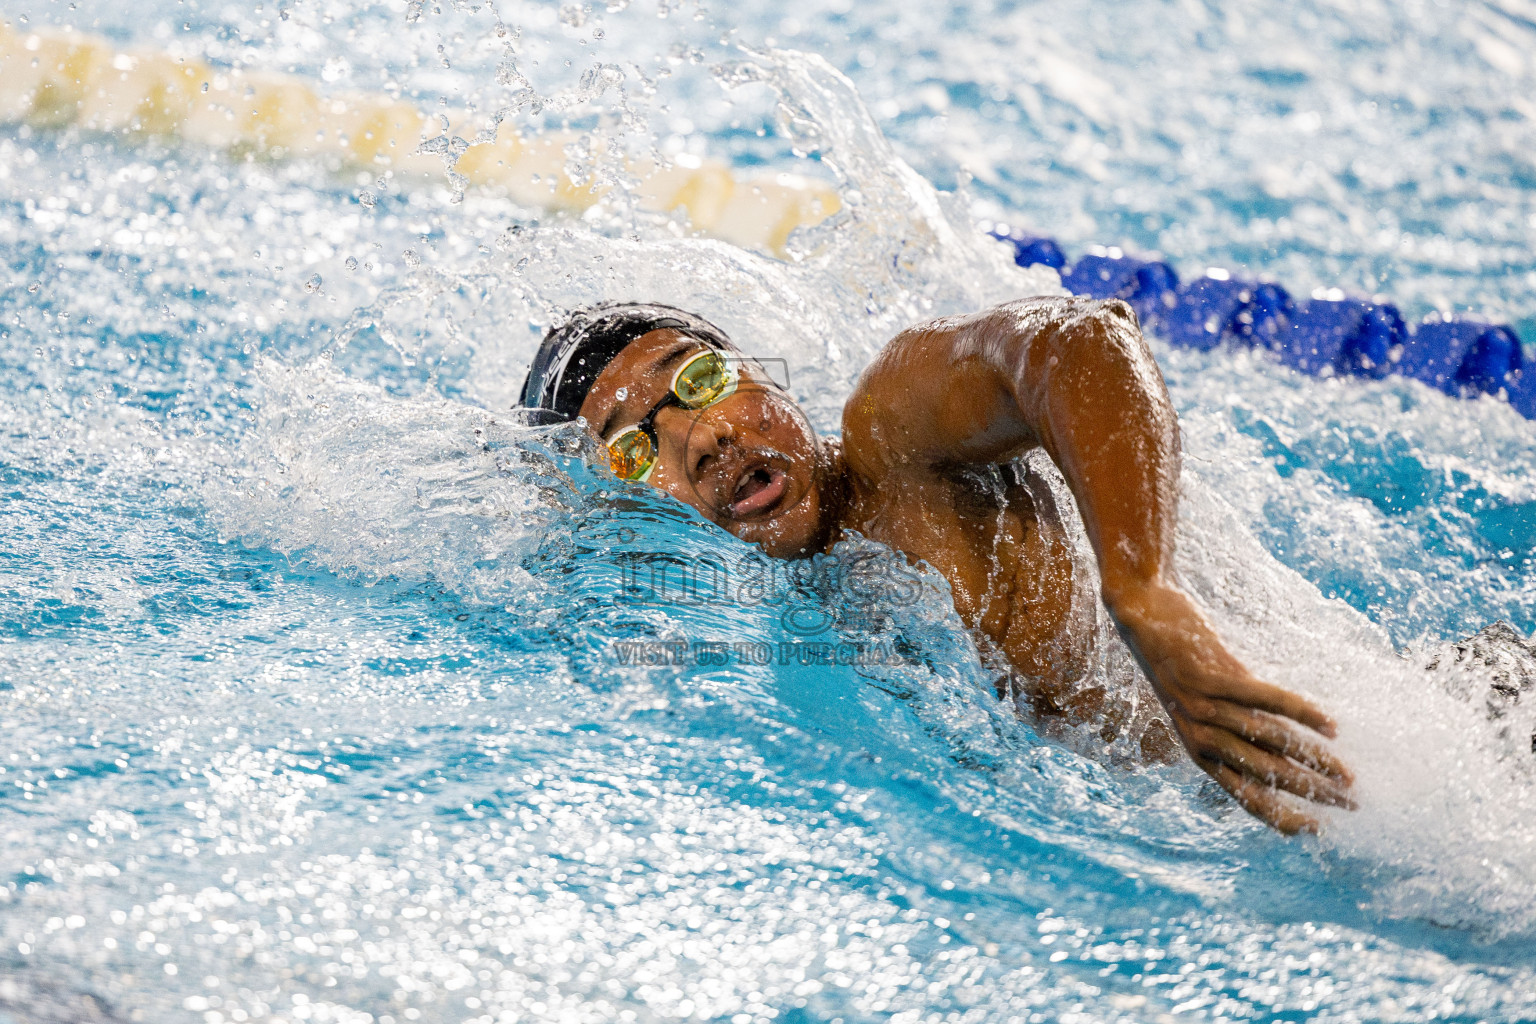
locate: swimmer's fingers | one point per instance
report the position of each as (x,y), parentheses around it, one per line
(1240,687)
(1260,801)
(1181,650)
(1271,771)
(1272,734)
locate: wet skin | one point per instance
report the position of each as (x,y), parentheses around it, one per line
(941,408)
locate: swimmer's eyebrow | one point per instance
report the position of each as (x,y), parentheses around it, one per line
(681,348)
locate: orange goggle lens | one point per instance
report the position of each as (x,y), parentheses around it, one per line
(631,454)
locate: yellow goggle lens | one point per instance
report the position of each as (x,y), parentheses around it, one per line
(631,454)
(703,380)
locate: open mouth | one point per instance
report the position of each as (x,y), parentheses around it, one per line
(757,491)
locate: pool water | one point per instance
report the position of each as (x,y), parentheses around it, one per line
(312,667)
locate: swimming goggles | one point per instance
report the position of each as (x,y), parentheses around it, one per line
(702,381)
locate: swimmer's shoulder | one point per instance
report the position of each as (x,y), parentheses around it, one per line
(936,383)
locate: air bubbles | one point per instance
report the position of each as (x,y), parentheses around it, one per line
(681,52)
(509,239)
(335,69)
(507,73)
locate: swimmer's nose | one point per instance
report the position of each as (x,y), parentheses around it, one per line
(704,438)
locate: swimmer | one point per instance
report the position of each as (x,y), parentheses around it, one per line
(928,465)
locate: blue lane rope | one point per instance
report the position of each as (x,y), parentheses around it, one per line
(1334,335)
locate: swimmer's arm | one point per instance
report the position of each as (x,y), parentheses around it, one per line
(1071,375)
(1075,377)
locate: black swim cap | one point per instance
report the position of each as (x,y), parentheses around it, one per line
(573,353)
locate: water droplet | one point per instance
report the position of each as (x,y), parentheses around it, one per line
(411,258)
(313,284)
(351,263)
(621,394)
(366,198)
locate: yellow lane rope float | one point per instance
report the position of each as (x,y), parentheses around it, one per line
(58,78)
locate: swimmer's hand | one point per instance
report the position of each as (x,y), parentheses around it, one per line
(1257,740)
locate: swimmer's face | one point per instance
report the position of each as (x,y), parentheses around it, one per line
(748,463)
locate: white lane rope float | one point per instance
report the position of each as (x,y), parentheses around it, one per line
(56,78)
